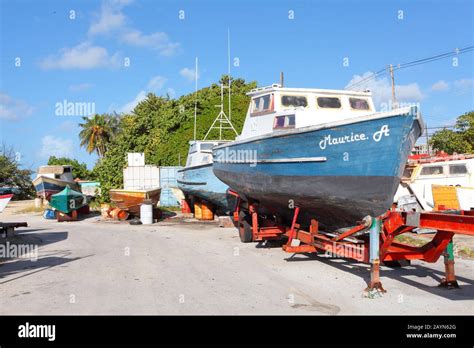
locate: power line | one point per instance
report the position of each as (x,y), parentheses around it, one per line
(412,63)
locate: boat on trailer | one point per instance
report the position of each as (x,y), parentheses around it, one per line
(327,152)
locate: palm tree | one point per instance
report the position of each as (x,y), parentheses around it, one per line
(97,132)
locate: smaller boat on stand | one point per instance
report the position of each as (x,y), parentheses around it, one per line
(131,200)
(53,179)
(197,179)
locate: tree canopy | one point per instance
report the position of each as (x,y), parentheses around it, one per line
(12,176)
(459,140)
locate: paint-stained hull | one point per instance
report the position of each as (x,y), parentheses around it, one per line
(337,182)
(200,182)
(46,187)
(132,199)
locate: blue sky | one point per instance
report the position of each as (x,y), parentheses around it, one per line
(82,59)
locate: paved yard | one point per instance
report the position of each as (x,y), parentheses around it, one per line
(173,267)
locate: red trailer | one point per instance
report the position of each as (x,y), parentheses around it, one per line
(371,240)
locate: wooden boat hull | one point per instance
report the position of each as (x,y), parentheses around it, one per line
(131,199)
(200,182)
(336,182)
(46,187)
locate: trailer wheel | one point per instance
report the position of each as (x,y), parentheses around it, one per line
(245,227)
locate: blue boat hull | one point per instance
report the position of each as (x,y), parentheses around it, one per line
(200,182)
(337,175)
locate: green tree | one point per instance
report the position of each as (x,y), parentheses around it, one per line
(12,176)
(79,170)
(97,132)
(459,140)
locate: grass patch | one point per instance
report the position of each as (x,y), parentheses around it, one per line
(464,251)
(30,209)
(417,242)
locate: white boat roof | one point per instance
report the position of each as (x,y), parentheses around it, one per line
(277,88)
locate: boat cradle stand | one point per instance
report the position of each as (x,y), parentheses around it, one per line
(371,241)
(7,229)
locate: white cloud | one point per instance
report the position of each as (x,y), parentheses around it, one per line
(110,17)
(131,105)
(441,85)
(156,83)
(55,146)
(189,74)
(13,109)
(80,87)
(158,41)
(382,90)
(83,56)
(463,86)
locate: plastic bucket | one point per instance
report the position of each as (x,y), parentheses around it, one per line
(146,212)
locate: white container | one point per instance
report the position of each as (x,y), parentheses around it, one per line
(141,178)
(146,213)
(136,159)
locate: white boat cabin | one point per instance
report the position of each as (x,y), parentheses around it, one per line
(276,108)
(418,180)
(200,152)
(60,172)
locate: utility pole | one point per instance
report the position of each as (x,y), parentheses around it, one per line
(394,100)
(281,78)
(427,140)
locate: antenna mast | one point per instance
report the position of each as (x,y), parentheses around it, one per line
(222,119)
(228,69)
(195,98)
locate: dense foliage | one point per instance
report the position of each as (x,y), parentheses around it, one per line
(162,127)
(460,140)
(12,177)
(79,170)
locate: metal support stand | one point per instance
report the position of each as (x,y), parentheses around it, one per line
(374,287)
(449,281)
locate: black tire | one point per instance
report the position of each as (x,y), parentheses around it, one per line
(397,264)
(245,227)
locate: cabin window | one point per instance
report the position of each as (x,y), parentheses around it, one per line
(457,169)
(287,121)
(435,170)
(359,104)
(206,147)
(57,176)
(407,172)
(262,105)
(294,100)
(329,102)
(67,170)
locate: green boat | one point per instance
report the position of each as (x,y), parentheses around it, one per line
(68,200)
